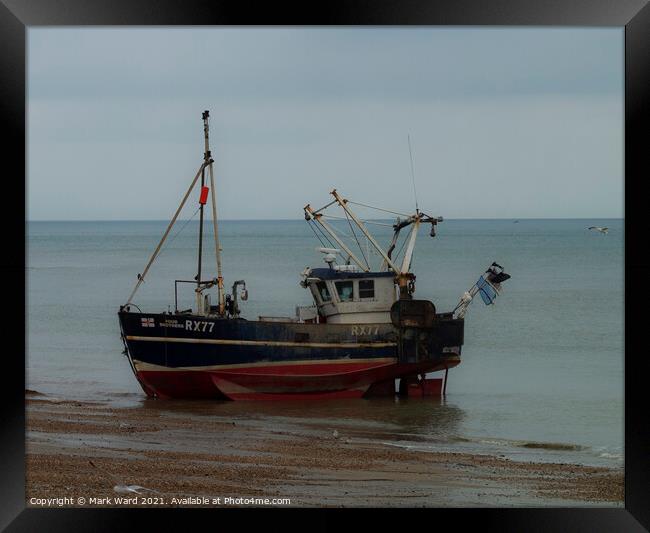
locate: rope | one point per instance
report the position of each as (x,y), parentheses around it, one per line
(331,244)
(324,235)
(179,231)
(338,230)
(317,235)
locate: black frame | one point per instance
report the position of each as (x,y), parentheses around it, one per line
(634,15)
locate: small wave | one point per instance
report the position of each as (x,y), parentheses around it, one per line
(611,455)
(491,441)
(559,446)
(405,446)
(551,446)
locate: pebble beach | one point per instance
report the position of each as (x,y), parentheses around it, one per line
(105,455)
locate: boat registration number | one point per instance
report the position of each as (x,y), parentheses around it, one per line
(199,325)
(365,330)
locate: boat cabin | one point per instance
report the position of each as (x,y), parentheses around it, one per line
(345,296)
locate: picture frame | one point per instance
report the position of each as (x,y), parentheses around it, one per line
(17,16)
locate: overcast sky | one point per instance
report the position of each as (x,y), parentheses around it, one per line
(504,122)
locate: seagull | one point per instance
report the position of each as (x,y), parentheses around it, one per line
(597,228)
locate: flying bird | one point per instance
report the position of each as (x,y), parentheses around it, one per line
(598,228)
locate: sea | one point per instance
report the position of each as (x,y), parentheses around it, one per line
(541,377)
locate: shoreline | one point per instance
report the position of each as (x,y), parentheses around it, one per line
(81,449)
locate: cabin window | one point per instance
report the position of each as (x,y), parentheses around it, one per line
(323,292)
(367,288)
(345,290)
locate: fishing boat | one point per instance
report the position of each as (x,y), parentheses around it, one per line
(364,332)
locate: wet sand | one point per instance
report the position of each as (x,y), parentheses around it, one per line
(86,449)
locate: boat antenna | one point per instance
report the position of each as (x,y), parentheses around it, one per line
(415,194)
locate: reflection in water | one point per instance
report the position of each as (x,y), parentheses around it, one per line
(430,419)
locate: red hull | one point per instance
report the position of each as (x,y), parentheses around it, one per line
(274,382)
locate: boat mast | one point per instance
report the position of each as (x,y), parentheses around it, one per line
(198,275)
(408,254)
(200,285)
(209,161)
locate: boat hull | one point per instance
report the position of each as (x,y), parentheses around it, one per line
(188,356)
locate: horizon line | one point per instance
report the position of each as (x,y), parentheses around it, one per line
(301,218)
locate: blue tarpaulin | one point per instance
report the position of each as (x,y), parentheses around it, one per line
(487,291)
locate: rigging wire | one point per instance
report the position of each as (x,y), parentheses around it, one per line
(358,244)
(179,232)
(331,244)
(364,221)
(338,230)
(324,235)
(354,235)
(317,235)
(378,209)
